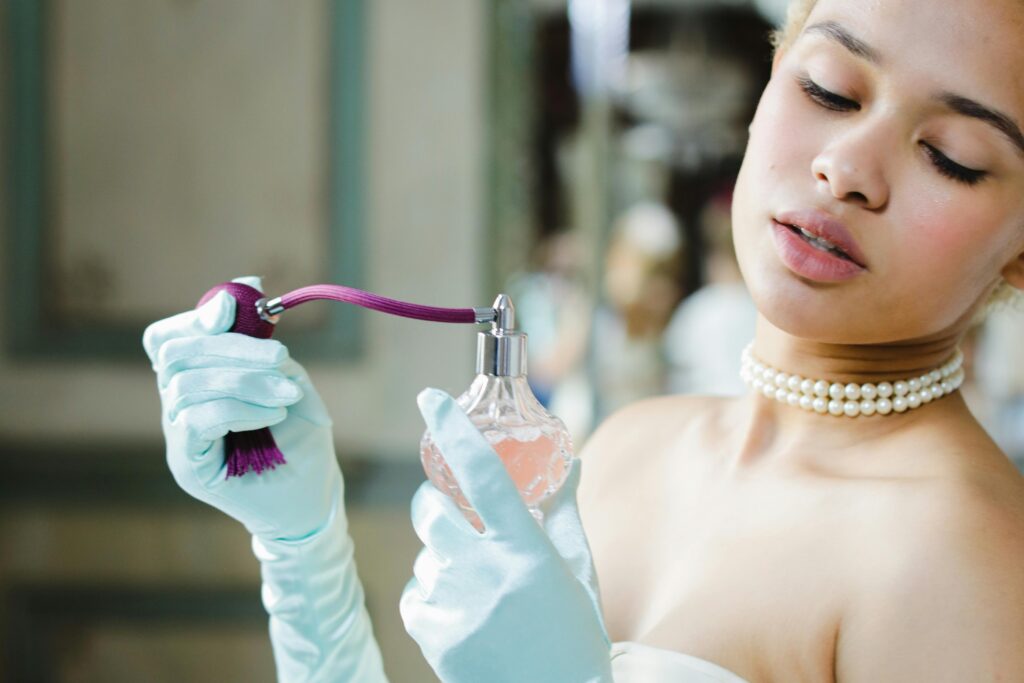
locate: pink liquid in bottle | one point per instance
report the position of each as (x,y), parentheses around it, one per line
(533,444)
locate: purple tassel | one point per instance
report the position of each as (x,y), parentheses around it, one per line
(254,450)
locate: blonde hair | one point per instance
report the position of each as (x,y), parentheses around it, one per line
(1005,294)
(796,17)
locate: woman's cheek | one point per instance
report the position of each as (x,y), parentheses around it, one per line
(944,242)
(777,118)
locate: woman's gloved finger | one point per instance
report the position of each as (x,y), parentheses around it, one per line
(426,568)
(215,316)
(560,510)
(423,619)
(311,408)
(254,281)
(439,523)
(266,388)
(564,527)
(223,350)
(478,470)
(205,423)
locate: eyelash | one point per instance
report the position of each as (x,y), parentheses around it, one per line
(944,165)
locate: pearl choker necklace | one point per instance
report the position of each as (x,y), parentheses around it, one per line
(835,398)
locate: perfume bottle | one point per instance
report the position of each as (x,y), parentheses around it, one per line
(533,444)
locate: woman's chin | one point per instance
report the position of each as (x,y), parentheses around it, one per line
(826,315)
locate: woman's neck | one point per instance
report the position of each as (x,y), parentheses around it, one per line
(851,362)
(774,431)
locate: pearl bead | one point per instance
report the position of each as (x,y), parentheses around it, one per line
(913,399)
(885,390)
(821,388)
(936,391)
(852,391)
(769,374)
(780,395)
(835,407)
(820,405)
(794,382)
(883,406)
(935,375)
(807,387)
(946,387)
(925,380)
(926,395)
(899,404)
(780,379)
(851,408)
(806,402)
(914,384)
(757,384)
(900,388)
(867,407)
(793,398)
(836,391)
(869,391)
(768,390)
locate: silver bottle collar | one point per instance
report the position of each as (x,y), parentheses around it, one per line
(501,351)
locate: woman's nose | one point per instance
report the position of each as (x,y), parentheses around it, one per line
(850,168)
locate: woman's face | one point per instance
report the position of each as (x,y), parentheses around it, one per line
(901,121)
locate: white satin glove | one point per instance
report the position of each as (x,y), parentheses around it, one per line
(212,381)
(515,603)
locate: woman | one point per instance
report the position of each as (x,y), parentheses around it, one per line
(845,528)
(786,545)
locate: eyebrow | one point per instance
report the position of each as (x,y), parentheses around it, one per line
(836,32)
(957,103)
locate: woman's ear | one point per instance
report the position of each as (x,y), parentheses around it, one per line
(1013,272)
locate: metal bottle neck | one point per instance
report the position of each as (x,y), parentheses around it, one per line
(501,351)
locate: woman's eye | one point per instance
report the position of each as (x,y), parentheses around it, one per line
(942,163)
(951,169)
(826,98)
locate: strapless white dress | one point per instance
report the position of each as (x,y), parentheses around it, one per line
(636,663)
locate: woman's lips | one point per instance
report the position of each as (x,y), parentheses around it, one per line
(825,227)
(809,261)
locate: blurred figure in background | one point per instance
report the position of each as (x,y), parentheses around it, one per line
(709,329)
(999,375)
(642,287)
(553,308)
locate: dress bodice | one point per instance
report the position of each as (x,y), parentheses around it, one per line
(637,663)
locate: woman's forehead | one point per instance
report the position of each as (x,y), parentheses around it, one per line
(970,47)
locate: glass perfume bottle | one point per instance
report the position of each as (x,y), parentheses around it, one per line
(533,444)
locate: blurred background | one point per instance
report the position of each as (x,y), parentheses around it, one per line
(579,155)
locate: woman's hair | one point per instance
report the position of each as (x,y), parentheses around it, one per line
(796,17)
(783,37)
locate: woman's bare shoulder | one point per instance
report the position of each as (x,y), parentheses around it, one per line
(949,560)
(627,444)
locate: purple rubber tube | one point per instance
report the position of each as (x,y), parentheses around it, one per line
(256,450)
(377,303)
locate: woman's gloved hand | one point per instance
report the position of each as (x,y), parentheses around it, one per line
(212,381)
(515,603)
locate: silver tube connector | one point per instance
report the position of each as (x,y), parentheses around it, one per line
(485,314)
(270,309)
